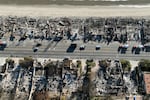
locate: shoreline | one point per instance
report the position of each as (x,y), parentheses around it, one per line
(73,11)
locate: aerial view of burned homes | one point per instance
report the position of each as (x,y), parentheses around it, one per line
(74,58)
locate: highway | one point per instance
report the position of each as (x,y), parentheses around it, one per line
(58,50)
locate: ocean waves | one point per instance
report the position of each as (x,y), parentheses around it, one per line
(135,6)
(114,0)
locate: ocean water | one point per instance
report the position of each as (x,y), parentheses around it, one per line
(75,2)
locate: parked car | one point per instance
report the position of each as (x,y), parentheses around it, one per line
(123,48)
(82,47)
(98,47)
(137,49)
(35,49)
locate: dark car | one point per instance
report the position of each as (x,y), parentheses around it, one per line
(137,49)
(58,39)
(3,45)
(82,47)
(98,47)
(38,44)
(123,48)
(147,48)
(72,47)
(35,49)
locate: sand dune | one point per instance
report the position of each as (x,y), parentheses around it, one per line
(71,11)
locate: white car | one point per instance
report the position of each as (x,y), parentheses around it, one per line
(35,49)
(126,45)
(97,47)
(82,47)
(3,42)
(140,46)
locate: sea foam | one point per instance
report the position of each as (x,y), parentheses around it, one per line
(135,6)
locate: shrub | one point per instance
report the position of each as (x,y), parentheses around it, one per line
(125,65)
(144,64)
(27,62)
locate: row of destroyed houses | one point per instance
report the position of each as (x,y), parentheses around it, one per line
(110,80)
(63,26)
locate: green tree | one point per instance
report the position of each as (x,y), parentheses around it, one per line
(9,61)
(144,64)
(27,62)
(108,98)
(125,65)
(90,63)
(50,69)
(103,63)
(3,68)
(79,66)
(38,95)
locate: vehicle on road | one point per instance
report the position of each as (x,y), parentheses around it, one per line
(123,48)
(137,49)
(57,39)
(73,38)
(71,48)
(38,45)
(125,45)
(3,45)
(98,47)
(35,49)
(82,47)
(147,48)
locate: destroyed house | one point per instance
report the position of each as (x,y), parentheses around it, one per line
(146,77)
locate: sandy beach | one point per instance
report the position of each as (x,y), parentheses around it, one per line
(73,11)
